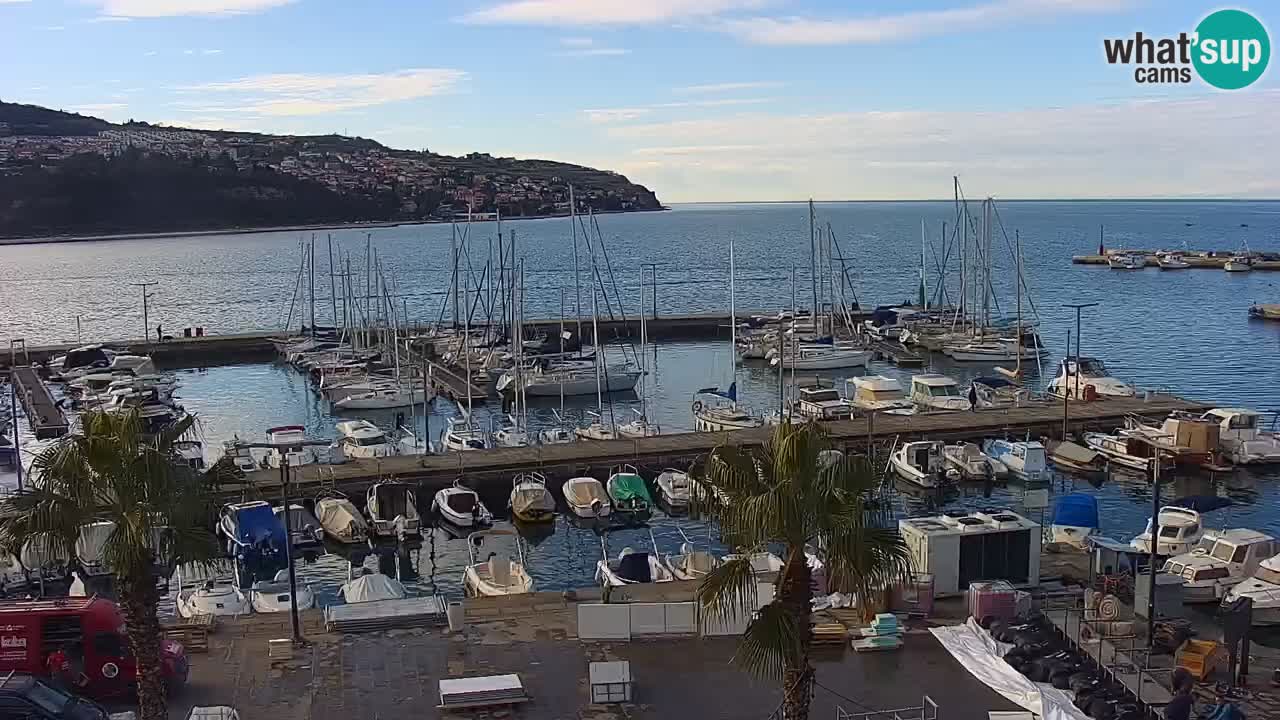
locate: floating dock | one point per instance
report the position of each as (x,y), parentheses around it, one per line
(897,354)
(490,471)
(43,414)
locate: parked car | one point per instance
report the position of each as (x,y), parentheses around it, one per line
(24,696)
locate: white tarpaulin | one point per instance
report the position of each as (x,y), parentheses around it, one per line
(368,588)
(981,655)
(90,544)
(340,518)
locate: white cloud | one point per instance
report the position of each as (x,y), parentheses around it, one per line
(616,115)
(613,115)
(210,52)
(594,52)
(55,28)
(577,42)
(725,87)
(314,94)
(904,26)
(602,12)
(174,8)
(97,108)
(108,19)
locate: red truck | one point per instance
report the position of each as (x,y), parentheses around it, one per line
(89,634)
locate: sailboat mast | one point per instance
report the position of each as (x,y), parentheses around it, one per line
(595,338)
(1017,281)
(813,270)
(733,314)
(466,336)
(311,272)
(924,286)
(577,279)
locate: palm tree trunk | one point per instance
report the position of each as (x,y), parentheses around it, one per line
(797,675)
(139,600)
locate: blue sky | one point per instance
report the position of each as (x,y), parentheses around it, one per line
(699,99)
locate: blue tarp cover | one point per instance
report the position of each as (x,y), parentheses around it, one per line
(1076,510)
(257,523)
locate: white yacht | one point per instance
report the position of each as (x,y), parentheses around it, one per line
(1092,374)
(363,439)
(922,463)
(1179,532)
(1172,261)
(820,402)
(715,411)
(820,357)
(1025,459)
(497,575)
(462,436)
(639,428)
(1264,589)
(511,434)
(674,489)
(384,398)
(632,566)
(572,381)
(1220,561)
(1127,451)
(1240,262)
(209,588)
(993,350)
(969,460)
(586,497)
(1241,439)
(284,435)
(932,392)
(239,455)
(461,506)
(878,393)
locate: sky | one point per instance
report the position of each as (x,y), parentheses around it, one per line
(701,100)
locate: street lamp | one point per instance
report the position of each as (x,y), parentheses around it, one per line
(284,449)
(1077,307)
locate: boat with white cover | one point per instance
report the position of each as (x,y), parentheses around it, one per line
(497,575)
(1180,531)
(632,566)
(932,392)
(1025,459)
(969,460)
(921,462)
(1220,561)
(461,506)
(1264,590)
(371,586)
(274,596)
(393,510)
(820,402)
(1241,438)
(530,500)
(340,519)
(209,589)
(1092,374)
(586,497)
(363,439)
(691,563)
(90,547)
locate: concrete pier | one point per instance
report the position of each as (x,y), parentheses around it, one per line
(1195,261)
(43,414)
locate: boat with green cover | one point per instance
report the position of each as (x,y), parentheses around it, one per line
(628,491)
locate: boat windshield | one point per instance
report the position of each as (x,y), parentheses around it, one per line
(943,391)
(370,440)
(1091,367)
(1267,575)
(1223,551)
(1206,544)
(880,395)
(822,395)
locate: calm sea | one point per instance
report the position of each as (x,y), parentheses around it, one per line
(1186,331)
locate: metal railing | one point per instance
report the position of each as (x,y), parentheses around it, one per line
(926,710)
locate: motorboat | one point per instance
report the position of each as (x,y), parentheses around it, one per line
(994,350)
(239,455)
(393,510)
(297,455)
(461,506)
(190,452)
(274,595)
(511,434)
(933,392)
(1172,261)
(81,361)
(340,519)
(762,562)
(385,398)
(674,489)
(968,459)
(1185,439)
(132,364)
(628,492)
(587,498)
(1126,261)
(639,428)
(371,587)
(1179,532)
(820,357)
(497,575)
(1075,519)
(304,529)
(556,436)
(463,435)
(691,564)
(363,439)
(1240,438)
(1265,311)
(821,402)
(717,411)
(209,589)
(878,393)
(921,462)
(1220,561)
(1024,458)
(530,499)
(1127,451)
(1092,380)
(1264,590)
(597,430)
(255,539)
(1077,459)
(999,392)
(1240,262)
(91,545)
(632,566)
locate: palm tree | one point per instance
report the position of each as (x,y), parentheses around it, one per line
(112,471)
(793,493)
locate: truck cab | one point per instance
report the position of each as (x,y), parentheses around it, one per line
(91,632)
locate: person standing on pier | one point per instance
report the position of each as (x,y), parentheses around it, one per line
(973,398)
(159,333)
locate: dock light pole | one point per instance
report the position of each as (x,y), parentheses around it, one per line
(1077,307)
(146,325)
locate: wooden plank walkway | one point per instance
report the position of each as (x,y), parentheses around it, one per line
(490,471)
(43,414)
(897,354)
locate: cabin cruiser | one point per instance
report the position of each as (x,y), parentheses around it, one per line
(587,498)
(720,411)
(921,462)
(393,510)
(931,392)
(1075,519)
(1220,561)
(363,439)
(462,435)
(999,392)
(1179,532)
(1187,440)
(1264,589)
(209,589)
(1172,261)
(497,575)
(820,357)
(628,492)
(1126,261)
(239,455)
(1240,262)
(131,364)
(1127,451)
(968,459)
(461,506)
(340,519)
(530,500)
(820,402)
(303,527)
(84,359)
(1077,459)
(274,595)
(878,393)
(1092,374)
(1241,440)
(632,566)
(1025,459)
(674,489)
(255,539)
(370,586)
(888,323)
(297,455)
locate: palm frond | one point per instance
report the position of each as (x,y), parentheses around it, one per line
(729,591)
(771,643)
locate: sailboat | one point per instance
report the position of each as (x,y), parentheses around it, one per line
(640,427)
(463,433)
(715,410)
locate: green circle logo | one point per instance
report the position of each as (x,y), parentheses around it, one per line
(1232,49)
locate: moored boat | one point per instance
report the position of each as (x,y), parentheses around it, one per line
(1075,519)
(340,519)
(1024,458)
(1179,531)
(922,463)
(497,575)
(530,500)
(461,506)
(393,510)
(587,498)
(628,492)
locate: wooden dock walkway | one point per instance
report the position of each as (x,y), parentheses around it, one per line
(897,353)
(43,414)
(490,471)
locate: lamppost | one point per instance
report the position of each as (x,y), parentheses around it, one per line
(653,268)
(1153,443)
(146,325)
(1077,307)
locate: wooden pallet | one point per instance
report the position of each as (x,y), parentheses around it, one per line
(828,634)
(194,638)
(866,645)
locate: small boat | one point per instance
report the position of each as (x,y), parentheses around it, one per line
(1075,519)
(1179,532)
(90,547)
(674,489)
(932,392)
(762,563)
(586,497)
(597,430)
(274,596)
(691,564)
(255,538)
(385,398)
(1126,451)
(972,464)
(530,499)
(511,434)
(556,436)
(461,506)
(820,357)
(393,510)
(820,402)
(720,412)
(628,492)
(496,576)
(209,589)
(1077,459)
(1264,589)
(305,529)
(371,587)
(1220,561)
(1025,459)
(1172,261)
(363,439)
(191,453)
(1240,438)
(285,435)
(340,519)
(239,455)
(573,381)
(1240,262)
(921,462)
(639,428)
(632,566)
(462,435)
(1265,311)
(878,393)
(1126,261)
(1093,380)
